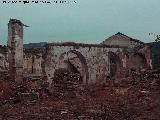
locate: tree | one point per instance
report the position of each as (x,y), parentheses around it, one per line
(157,37)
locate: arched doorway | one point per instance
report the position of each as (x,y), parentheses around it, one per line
(114,63)
(75,63)
(137,61)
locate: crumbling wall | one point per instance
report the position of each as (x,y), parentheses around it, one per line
(91,60)
(139,58)
(146,51)
(115,63)
(137,61)
(33,62)
(94,63)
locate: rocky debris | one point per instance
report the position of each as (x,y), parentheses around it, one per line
(32,78)
(64,76)
(128,99)
(146,80)
(65,81)
(32,88)
(99,104)
(4,75)
(5,90)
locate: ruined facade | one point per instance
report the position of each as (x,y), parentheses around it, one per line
(95,63)
(92,61)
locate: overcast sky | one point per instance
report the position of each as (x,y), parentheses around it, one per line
(88,21)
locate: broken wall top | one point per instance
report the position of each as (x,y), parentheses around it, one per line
(83,45)
(14,21)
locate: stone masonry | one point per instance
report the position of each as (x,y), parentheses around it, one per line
(96,63)
(15,49)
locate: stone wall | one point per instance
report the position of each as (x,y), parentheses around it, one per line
(90,60)
(139,58)
(33,61)
(95,63)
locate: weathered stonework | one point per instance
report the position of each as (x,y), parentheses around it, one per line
(3,58)
(15,49)
(33,61)
(96,63)
(90,60)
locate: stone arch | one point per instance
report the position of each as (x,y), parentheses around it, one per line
(114,63)
(70,59)
(138,61)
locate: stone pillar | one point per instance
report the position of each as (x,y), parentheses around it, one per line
(15,53)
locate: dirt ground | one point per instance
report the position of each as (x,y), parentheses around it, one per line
(88,103)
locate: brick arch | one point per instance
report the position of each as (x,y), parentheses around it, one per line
(84,68)
(114,63)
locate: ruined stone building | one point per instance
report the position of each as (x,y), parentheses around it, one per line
(95,63)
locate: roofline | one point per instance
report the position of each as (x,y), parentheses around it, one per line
(132,39)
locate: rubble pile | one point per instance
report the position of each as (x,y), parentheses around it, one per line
(101,103)
(4,75)
(63,75)
(146,80)
(65,80)
(129,99)
(5,91)
(27,91)
(35,88)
